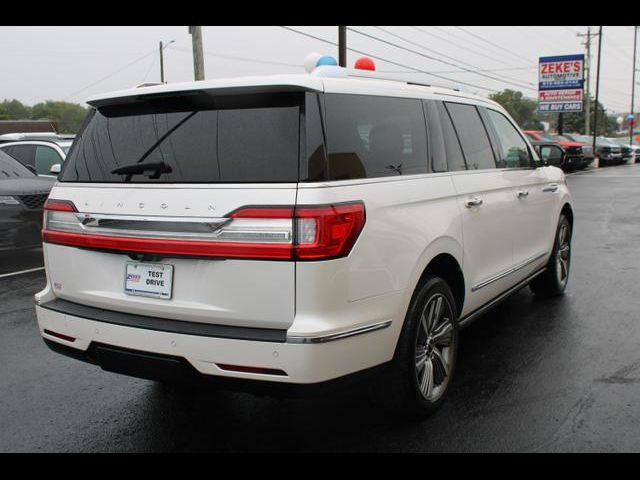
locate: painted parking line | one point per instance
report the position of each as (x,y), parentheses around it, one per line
(23,272)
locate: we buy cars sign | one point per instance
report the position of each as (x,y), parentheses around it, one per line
(561,84)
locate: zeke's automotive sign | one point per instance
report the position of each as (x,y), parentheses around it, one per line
(561,84)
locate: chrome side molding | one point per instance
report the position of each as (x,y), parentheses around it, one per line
(511,271)
(300,340)
(466,321)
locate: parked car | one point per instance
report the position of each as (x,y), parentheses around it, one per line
(324,232)
(587,149)
(42,154)
(22,197)
(630,153)
(608,152)
(575,158)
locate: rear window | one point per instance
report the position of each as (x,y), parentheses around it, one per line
(195,138)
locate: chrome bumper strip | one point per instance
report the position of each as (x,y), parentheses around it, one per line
(338,336)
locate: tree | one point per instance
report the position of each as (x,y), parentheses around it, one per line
(523,110)
(14,110)
(68,115)
(575,122)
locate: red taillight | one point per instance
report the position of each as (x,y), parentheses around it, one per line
(303,233)
(321,233)
(60,206)
(337,229)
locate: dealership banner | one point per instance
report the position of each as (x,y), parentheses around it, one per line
(561,84)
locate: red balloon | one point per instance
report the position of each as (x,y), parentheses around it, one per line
(365,63)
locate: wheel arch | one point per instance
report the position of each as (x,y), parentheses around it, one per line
(567,210)
(443,258)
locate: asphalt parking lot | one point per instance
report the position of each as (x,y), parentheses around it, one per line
(559,375)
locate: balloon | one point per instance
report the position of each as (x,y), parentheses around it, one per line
(327,61)
(311,61)
(365,63)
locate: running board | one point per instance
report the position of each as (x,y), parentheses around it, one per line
(469,319)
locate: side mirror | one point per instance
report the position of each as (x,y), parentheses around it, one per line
(32,169)
(552,155)
(55,169)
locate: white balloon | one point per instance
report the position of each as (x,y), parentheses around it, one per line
(311,61)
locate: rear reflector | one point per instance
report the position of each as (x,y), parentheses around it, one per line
(304,233)
(257,370)
(60,336)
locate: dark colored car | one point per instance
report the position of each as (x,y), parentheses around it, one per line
(608,152)
(22,196)
(575,158)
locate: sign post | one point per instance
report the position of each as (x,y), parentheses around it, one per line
(561,84)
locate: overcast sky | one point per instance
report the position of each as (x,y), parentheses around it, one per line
(74,62)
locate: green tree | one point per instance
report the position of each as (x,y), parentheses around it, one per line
(68,115)
(575,122)
(14,110)
(523,110)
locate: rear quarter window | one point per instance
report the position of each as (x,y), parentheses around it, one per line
(374,137)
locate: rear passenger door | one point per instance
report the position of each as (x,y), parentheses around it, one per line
(485,201)
(534,208)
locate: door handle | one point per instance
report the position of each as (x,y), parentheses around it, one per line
(473,202)
(522,194)
(553,188)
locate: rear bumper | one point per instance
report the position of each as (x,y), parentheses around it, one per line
(195,352)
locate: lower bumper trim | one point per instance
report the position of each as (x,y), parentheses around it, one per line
(166,325)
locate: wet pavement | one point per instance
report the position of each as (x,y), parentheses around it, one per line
(533,375)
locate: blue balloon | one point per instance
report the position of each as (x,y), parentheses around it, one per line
(327,60)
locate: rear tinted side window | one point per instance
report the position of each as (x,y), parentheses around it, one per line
(473,136)
(372,137)
(23,153)
(455,157)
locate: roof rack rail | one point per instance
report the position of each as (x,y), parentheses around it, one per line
(391,77)
(150,84)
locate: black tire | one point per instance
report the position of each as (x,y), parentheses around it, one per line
(402,388)
(553,282)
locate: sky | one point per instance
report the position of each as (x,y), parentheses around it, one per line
(72,63)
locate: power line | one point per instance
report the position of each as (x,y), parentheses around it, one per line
(473,69)
(495,45)
(138,60)
(397,64)
(239,58)
(467,49)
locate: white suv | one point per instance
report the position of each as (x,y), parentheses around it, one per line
(290,231)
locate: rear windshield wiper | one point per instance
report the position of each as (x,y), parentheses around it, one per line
(156,169)
(151,170)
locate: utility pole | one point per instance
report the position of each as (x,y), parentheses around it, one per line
(198,53)
(632,120)
(587,43)
(163,46)
(595,113)
(161,62)
(561,123)
(342,46)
